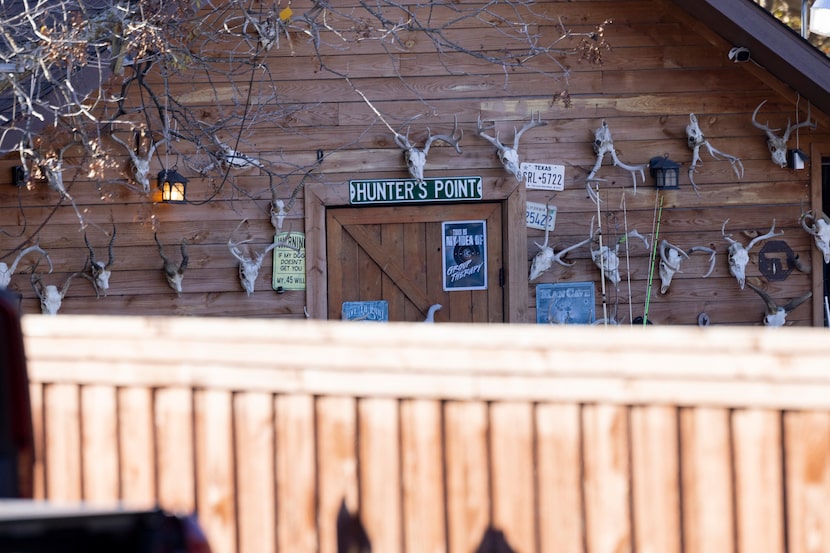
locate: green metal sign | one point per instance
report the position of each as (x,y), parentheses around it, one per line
(396,191)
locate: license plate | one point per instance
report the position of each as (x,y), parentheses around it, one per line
(542,176)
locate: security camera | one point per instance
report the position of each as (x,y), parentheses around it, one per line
(739,54)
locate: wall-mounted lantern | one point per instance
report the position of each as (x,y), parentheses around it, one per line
(19,176)
(666,172)
(173,186)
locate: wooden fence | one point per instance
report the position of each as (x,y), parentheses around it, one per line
(296,436)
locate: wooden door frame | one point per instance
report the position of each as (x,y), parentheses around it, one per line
(508,191)
(816,152)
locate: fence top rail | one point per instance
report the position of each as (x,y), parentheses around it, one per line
(783,368)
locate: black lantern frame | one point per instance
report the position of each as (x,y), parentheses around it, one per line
(666,173)
(173,187)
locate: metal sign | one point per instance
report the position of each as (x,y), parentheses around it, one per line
(289,262)
(396,191)
(776,260)
(538,219)
(542,176)
(375,311)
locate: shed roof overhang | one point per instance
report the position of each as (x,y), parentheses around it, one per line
(779,49)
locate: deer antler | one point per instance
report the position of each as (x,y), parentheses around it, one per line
(99,270)
(604,144)
(249,265)
(508,156)
(778,144)
(173,274)
(140,166)
(6,272)
(416,159)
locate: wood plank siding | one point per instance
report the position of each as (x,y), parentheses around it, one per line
(321,436)
(661,66)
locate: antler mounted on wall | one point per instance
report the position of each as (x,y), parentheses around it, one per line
(604,144)
(544,260)
(695,139)
(738,254)
(99,270)
(671,257)
(778,144)
(819,228)
(174,274)
(416,159)
(250,263)
(509,156)
(775,314)
(50,296)
(140,166)
(6,272)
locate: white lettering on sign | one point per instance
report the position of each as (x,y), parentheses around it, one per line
(538,219)
(542,176)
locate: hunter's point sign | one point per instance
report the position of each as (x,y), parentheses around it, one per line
(395,191)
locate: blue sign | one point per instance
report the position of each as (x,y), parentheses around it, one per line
(565,303)
(375,311)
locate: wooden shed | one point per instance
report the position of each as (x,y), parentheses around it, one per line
(641,70)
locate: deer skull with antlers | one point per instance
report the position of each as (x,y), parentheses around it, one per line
(172,273)
(776,315)
(251,263)
(416,159)
(99,270)
(738,254)
(6,272)
(607,259)
(509,156)
(778,144)
(671,257)
(140,166)
(695,139)
(544,260)
(604,144)
(50,296)
(819,228)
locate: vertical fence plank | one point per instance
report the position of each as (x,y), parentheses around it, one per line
(62,435)
(467,466)
(98,433)
(336,465)
(380,479)
(514,505)
(174,439)
(708,522)
(758,480)
(655,475)
(807,447)
(255,472)
(423,476)
(559,468)
(39,466)
(296,482)
(136,446)
(606,451)
(215,485)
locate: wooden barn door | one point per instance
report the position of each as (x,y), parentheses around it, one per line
(395,254)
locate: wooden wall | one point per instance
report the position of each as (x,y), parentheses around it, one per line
(277,433)
(661,67)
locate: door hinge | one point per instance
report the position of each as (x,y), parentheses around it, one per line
(501,277)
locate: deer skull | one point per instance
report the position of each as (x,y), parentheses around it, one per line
(99,270)
(6,272)
(172,273)
(778,144)
(738,255)
(50,296)
(820,229)
(607,259)
(251,263)
(416,159)
(508,156)
(604,144)
(776,315)
(544,260)
(695,139)
(140,166)
(670,259)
